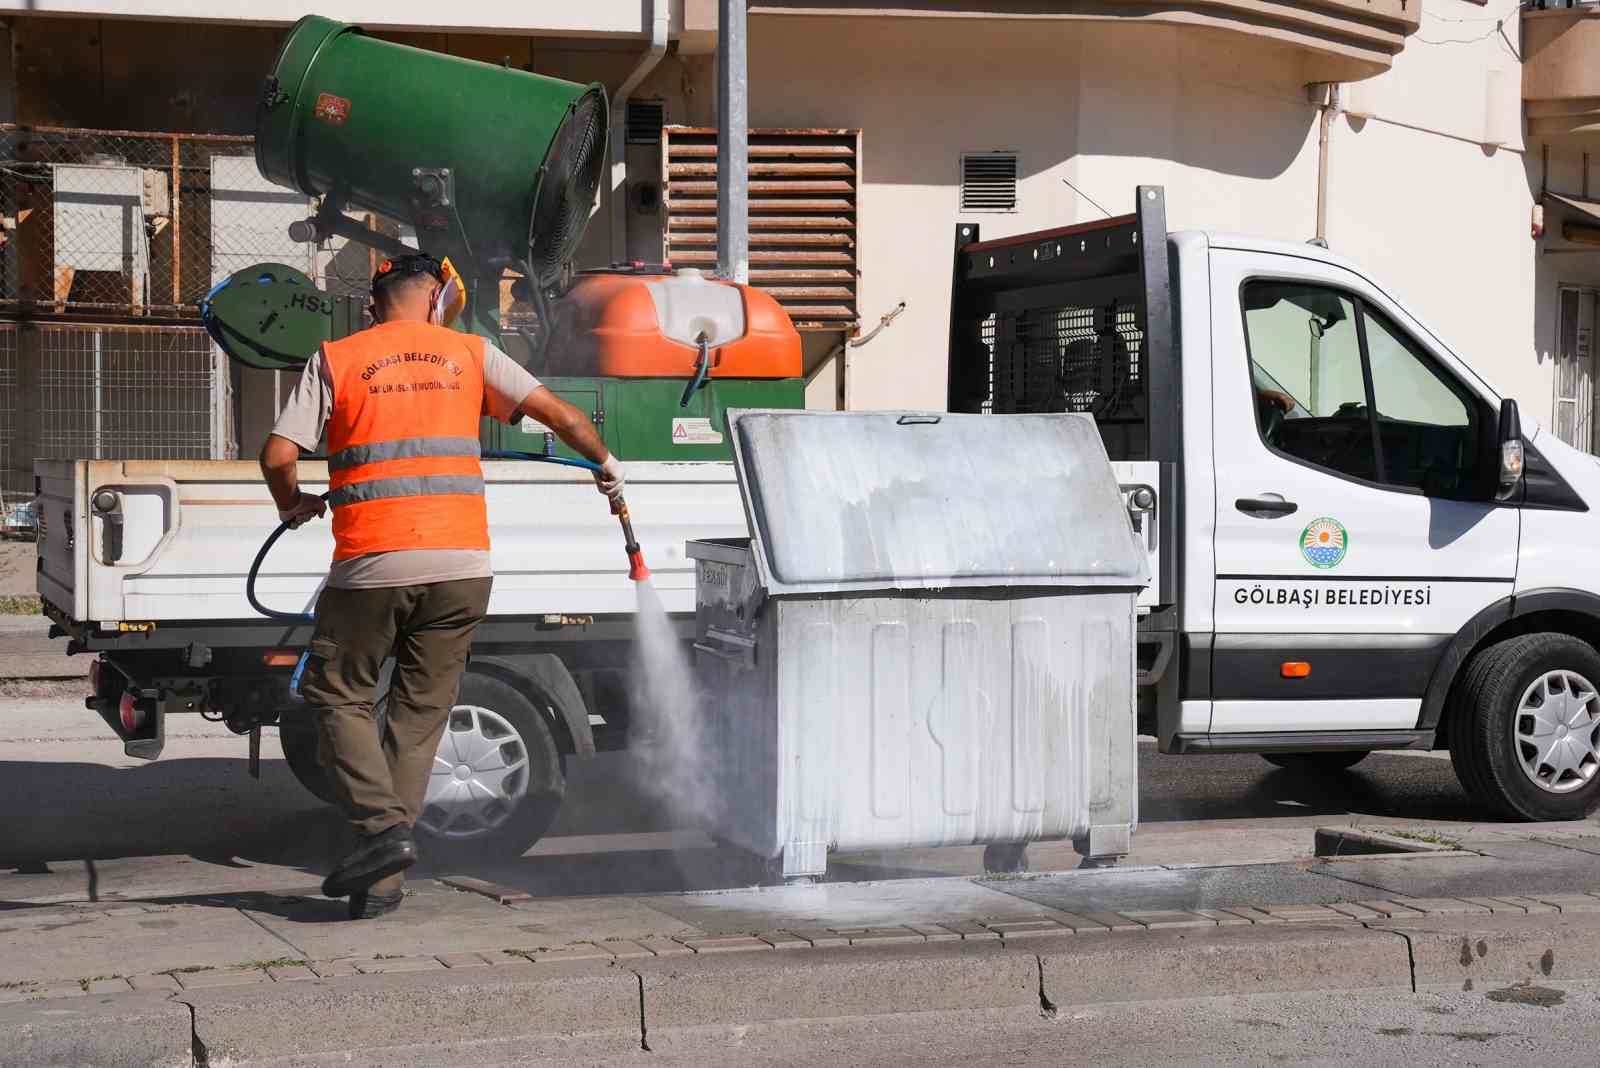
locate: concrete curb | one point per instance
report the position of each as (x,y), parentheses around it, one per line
(1480,951)
(640,993)
(649,1001)
(1290,958)
(1332,842)
(130,1029)
(750,988)
(327,1016)
(1009,930)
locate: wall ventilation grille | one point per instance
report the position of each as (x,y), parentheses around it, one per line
(989,181)
(645,119)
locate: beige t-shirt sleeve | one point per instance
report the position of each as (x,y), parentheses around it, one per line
(306,413)
(505,384)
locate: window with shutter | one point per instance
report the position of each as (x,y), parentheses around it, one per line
(1575,367)
(803,221)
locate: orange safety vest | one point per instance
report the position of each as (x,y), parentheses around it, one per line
(403,453)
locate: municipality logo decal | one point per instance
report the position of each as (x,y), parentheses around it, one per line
(1323,543)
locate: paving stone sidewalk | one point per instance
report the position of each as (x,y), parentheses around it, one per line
(471,898)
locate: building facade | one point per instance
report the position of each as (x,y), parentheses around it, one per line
(1445,144)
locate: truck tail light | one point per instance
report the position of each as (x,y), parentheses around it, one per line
(1295,669)
(133,712)
(280,658)
(105,681)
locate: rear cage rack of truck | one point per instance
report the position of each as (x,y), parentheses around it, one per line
(1078,319)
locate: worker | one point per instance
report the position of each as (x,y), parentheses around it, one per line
(400,403)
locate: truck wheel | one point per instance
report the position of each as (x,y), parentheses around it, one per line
(298,738)
(1317,763)
(498,778)
(1525,728)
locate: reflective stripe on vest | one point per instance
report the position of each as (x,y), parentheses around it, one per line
(378,489)
(403,449)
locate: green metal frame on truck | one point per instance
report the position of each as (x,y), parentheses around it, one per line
(496,169)
(462,150)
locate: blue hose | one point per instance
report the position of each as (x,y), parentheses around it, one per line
(546,458)
(266,546)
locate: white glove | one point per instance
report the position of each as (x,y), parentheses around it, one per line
(609,478)
(305,506)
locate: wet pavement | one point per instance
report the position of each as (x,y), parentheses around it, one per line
(103,826)
(100,823)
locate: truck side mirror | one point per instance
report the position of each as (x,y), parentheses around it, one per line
(1510,439)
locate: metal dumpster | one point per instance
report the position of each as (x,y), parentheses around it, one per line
(927,640)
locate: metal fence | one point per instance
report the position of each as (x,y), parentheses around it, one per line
(117,222)
(114,221)
(106,391)
(16,481)
(125,392)
(108,241)
(104,234)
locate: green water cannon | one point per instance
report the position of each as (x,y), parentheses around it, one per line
(491,166)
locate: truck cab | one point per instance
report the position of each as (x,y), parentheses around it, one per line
(1358,544)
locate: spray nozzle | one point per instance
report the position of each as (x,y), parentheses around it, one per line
(637,571)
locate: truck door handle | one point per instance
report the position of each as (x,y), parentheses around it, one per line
(1266,506)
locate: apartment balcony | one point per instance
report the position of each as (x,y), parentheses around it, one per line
(1561,75)
(1338,40)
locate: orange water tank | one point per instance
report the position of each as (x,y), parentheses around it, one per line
(633,324)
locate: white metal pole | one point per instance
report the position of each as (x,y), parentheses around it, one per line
(659,15)
(733,143)
(99,393)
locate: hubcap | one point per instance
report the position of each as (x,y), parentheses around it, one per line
(480,774)
(1556,732)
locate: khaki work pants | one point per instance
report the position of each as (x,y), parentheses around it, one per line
(380,778)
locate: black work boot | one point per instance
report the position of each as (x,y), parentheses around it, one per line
(365,906)
(376,857)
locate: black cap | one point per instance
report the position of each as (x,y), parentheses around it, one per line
(414,263)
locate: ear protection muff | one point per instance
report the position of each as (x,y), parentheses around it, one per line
(451,298)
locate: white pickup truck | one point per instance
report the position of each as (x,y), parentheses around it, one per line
(144,564)
(1357,545)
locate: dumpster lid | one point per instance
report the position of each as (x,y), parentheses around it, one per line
(910,500)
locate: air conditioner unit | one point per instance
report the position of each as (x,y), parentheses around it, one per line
(157,193)
(100,225)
